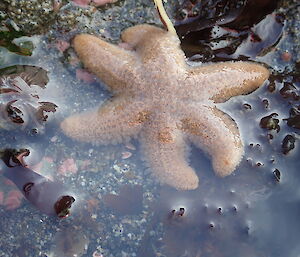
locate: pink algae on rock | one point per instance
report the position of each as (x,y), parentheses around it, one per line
(92,204)
(85,76)
(83,3)
(1,198)
(8,182)
(68,167)
(126,155)
(13,200)
(103,2)
(62,45)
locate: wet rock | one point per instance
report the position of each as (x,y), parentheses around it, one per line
(270,122)
(289,90)
(30,16)
(294,119)
(288,144)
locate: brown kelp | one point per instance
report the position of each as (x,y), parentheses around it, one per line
(225,30)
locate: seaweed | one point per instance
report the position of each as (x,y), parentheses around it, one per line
(7,36)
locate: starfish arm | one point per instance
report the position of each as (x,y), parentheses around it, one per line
(227,79)
(157,48)
(139,33)
(217,134)
(114,122)
(114,65)
(165,151)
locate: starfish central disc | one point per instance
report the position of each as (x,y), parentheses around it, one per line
(164,102)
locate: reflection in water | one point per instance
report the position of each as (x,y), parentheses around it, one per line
(128,201)
(69,242)
(48,196)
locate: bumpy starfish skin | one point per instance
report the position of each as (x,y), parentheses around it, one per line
(164,102)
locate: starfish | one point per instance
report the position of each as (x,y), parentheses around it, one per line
(164,102)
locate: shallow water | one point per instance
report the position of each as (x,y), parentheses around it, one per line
(120,210)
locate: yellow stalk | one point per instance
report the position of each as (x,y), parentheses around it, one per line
(164,16)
